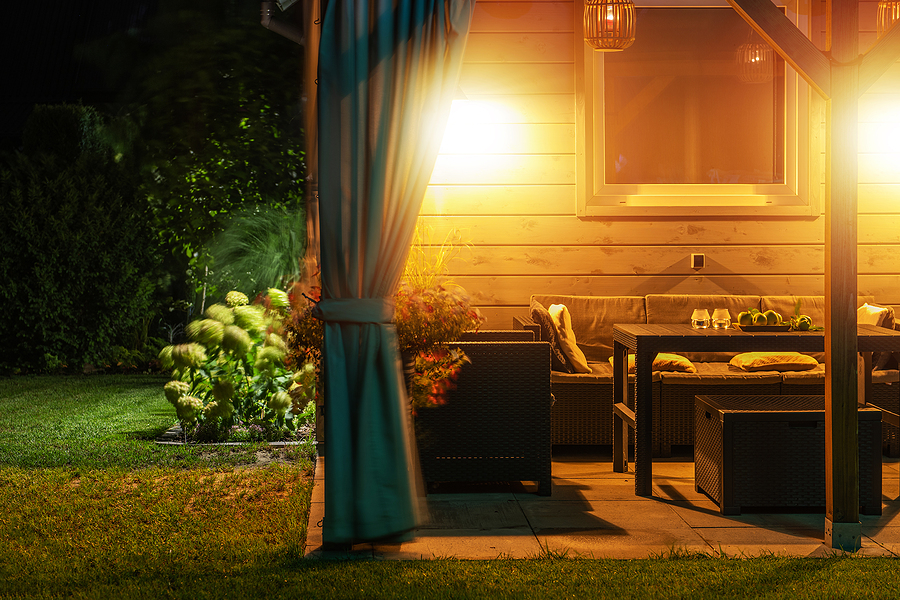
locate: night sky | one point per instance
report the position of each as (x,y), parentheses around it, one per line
(42,59)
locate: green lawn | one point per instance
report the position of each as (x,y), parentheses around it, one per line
(90,507)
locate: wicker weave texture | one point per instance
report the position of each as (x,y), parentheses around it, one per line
(888,397)
(676,421)
(495,425)
(884,395)
(742,461)
(707,451)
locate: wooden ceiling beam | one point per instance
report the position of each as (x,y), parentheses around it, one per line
(796,49)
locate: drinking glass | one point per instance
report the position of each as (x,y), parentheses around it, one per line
(721,318)
(700,318)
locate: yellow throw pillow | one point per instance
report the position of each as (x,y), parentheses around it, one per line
(774,361)
(563,322)
(664,362)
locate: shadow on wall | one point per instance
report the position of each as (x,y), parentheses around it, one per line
(680,278)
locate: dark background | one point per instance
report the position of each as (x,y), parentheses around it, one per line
(43,47)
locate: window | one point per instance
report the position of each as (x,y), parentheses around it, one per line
(698,117)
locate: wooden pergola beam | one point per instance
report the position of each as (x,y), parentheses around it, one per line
(788,41)
(879,59)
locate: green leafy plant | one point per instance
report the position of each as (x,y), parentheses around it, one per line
(259,249)
(233,371)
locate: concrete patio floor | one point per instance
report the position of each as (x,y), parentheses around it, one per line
(593,512)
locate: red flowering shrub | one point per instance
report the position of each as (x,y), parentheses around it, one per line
(426,318)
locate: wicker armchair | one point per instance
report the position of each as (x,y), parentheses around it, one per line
(495,425)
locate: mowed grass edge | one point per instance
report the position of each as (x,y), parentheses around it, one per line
(97,510)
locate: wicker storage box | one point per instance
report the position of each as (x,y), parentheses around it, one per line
(495,425)
(769,451)
(885,395)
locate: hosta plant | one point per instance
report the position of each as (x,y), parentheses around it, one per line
(231,375)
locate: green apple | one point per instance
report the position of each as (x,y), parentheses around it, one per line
(772,317)
(760,319)
(745,318)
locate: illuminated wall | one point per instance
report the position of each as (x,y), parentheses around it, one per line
(506,179)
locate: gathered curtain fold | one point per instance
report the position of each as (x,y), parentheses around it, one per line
(388,71)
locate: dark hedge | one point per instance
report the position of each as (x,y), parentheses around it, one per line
(77,254)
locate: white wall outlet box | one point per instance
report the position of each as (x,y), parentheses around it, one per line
(698,261)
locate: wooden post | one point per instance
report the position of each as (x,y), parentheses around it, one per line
(842,527)
(840,80)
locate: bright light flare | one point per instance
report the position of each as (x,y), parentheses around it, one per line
(474,127)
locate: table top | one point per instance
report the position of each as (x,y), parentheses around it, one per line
(681,337)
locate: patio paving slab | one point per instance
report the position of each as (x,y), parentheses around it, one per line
(473,515)
(634,514)
(466,543)
(623,544)
(564,489)
(593,512)
(754,541)
(886,537)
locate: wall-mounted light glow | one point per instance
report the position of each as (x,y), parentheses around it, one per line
(609,24)
(477,127)
(888,14)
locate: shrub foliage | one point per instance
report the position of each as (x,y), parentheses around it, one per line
(76,259)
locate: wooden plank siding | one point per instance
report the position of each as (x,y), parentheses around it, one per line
(507,185)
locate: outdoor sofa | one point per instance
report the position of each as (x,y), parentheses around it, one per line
(582,408)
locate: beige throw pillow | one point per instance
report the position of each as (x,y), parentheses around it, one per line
(880,316)
(774,361)
(563,322)
(871,315)
(665,362)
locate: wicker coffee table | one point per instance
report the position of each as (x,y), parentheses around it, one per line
(769,451)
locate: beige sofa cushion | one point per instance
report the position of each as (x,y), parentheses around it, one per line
(811,376)
(677,308)
(601,372)
(593,318)
(817,375)
(813,306)
(718,373)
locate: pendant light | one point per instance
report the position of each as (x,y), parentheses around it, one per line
(755,62)
(888,14)
(609,24)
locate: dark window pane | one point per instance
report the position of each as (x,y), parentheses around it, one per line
(680,107)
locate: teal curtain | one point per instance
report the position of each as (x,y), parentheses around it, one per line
(388,70)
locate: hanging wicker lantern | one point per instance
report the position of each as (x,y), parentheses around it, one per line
(888,14)
(609,24)
(755,62)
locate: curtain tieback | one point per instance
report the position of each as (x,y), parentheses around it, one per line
(355,310)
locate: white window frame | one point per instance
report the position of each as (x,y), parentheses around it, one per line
(798,196)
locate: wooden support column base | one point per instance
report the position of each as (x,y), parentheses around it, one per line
(843,536)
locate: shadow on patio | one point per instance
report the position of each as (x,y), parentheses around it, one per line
(593,512)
